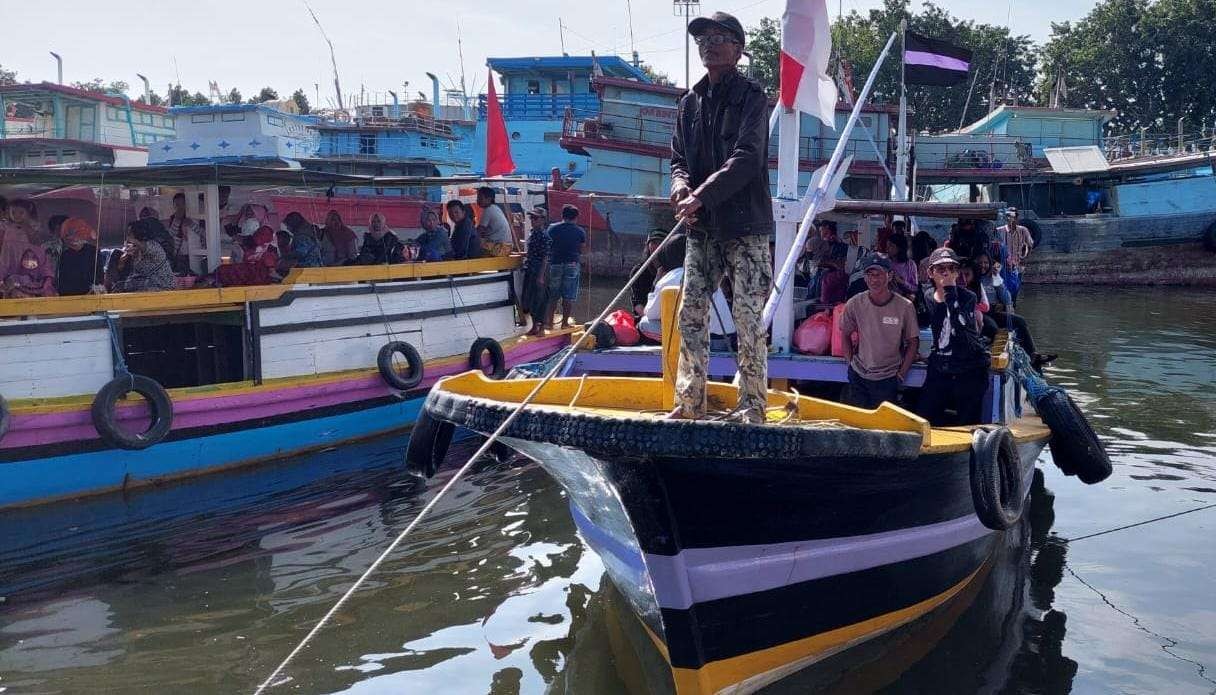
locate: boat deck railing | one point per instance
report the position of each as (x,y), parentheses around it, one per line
(1145,144)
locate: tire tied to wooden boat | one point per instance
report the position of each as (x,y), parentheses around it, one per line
(1075,447)
(428,445)
(997,488)
(105,412)
(388,371)
(498,360)
(4,417)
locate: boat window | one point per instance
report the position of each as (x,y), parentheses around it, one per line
(533,87)
(367,144)
(202,118)
(195,351)
(274,120)
(232,117)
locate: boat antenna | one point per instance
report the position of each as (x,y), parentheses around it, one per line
(333,59)
(561,34)
(556,369)
(633,47)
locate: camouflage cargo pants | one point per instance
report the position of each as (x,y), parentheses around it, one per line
(749,262)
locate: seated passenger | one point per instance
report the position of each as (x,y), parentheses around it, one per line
(259,262)
(380,246)
(433,243)
(721,323)
(494,229)
(148,263)
(339,243)
(1001,314)
(29,277)
(80,267)
(887,337)
(903,268)
(645,284)
(465,242)
(923,244)
(305,250)
(957,376)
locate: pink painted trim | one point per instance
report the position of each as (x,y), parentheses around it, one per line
(934,60)
(220,409)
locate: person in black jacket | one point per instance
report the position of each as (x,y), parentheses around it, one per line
(719,183)
(957,377)
(465,243)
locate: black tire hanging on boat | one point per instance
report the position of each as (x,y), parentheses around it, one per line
(104,412)
(1074,446)
(428,444)
(4,417)
(498,361)
(997,488)
(1209,238)
(384,361)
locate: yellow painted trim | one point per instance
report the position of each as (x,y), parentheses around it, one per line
(233,297)
(669,302)
(718,675)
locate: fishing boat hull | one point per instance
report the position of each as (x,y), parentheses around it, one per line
(291,368)
(752,551)
(746,571)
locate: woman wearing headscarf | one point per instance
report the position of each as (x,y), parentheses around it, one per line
(304,251)
(380,245)
(149,264)
(433,243)
(29,276)
(260,260)
(17,232)
(80,266)
(339,243)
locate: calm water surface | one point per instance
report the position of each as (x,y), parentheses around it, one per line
(204,587)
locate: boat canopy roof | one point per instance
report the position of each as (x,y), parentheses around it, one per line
(224,174)
(971,211)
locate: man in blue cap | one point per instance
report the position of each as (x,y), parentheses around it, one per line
(719,183)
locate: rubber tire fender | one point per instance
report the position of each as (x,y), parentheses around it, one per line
(428,445)
(384,362)
(104,412)
(5,417)
(1209,238)
(1075,448)
(497,359)
(997,489)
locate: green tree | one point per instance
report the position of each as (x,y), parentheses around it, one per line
(1001,62)
(183,97)
(7,76)
(100,86)
(234,96)
(267,94)
(156,99)
(1149,62)
(764,45)
(301,100)
(656,76)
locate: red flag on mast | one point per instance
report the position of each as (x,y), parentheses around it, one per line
(498,145)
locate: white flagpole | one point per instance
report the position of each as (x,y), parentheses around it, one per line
(815,195)
(789,123)
(899,187)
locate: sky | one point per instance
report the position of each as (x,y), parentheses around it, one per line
(249,44)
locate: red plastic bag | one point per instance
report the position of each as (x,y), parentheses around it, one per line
(814,335)
(623,326)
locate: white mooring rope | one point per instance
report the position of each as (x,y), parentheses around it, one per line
(557,367)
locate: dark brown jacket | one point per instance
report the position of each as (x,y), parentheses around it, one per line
(720,151)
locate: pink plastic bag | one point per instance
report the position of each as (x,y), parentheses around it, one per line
(622,324)
(838,338)
(814,335)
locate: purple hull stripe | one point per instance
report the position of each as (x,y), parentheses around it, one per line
(934,60)
(705,574)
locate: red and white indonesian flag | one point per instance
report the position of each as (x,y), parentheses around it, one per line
(806,46)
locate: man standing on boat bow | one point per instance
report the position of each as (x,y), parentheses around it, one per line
(719,183)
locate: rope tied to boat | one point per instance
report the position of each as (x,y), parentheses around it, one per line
(481,451)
